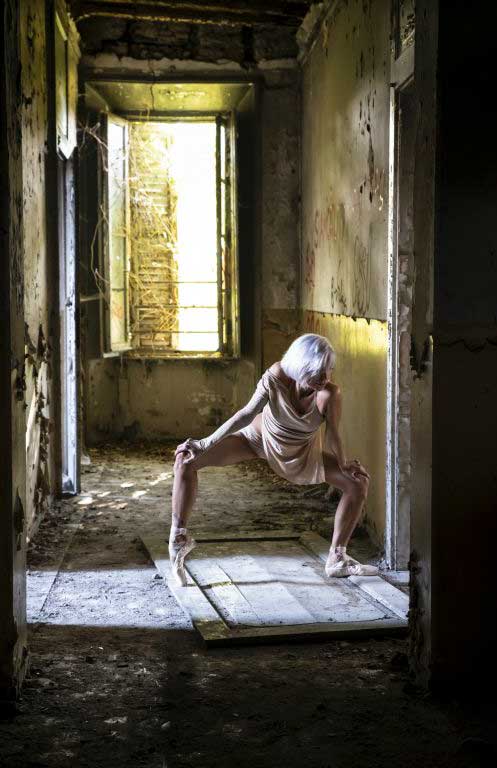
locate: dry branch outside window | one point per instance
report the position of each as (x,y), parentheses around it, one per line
(169,266)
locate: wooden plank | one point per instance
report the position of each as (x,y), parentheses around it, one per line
(260,595)
(212,536)
(326,599)
(300,633)
(316,544)
(270,599)
(374,586)
(210,576)
(198,608)
(397,577)
(191,598)
(383,592)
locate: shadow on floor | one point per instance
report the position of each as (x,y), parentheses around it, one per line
(119,678)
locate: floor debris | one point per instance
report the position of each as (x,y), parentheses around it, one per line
(152,696)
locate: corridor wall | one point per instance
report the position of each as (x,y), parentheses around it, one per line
(344,269)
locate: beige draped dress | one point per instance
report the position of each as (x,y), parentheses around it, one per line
(291,442)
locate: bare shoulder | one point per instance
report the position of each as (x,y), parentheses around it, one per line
(329,395)
(331,390)
(278,371)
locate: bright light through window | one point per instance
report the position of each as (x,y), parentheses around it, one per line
(174,247)
(193,169)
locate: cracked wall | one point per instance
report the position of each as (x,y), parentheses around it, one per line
(345,219)
(156,398)
(30,334)
(280,216)
(46,240)
(13,637)
(37,269)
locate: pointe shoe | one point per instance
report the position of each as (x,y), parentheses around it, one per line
(348,566)
(179,547)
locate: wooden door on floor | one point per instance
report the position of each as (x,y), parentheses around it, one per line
(271,585)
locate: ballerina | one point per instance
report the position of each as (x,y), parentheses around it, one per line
(281,424)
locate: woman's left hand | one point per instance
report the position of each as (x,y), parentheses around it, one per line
(356,468)
(192,449)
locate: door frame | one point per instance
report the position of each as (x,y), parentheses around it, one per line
(69,347)
(397,528)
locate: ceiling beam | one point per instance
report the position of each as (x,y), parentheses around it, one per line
(233,13)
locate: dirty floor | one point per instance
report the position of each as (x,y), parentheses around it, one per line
(118,677)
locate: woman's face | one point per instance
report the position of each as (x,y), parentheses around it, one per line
(318,380)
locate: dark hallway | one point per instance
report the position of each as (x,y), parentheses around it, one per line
(189,189)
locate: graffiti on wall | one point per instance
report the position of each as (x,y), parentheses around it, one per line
(361,282)
(314,323)
(333,237)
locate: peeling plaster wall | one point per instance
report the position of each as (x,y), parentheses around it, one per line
(157,399)
(13,634)
(345,134)
(345,163)
(29,329)
(362,346)
(37,269)
(280,214)
(41,233)
(114,401)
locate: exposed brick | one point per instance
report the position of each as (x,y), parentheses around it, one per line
(217,43)
(99,34)
(272,42)
(155,40)
(160,33)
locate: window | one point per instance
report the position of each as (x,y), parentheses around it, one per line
(169,245)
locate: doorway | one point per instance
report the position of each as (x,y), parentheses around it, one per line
(68,330)
(401,281)
(64,82)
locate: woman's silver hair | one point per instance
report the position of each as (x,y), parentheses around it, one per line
(307,356)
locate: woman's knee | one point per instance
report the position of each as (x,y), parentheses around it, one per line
(182,467)
(361,488)
(357,489)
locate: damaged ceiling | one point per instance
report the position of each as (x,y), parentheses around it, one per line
(243,13)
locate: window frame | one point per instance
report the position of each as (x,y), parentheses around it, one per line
(111,348)
(227,256)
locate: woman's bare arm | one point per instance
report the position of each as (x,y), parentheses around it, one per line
(240,419)
(333,441)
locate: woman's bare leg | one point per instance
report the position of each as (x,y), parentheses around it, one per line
(231,450)
(349,510)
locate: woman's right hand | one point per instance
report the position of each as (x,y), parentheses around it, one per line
(355,470)
(191,447)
